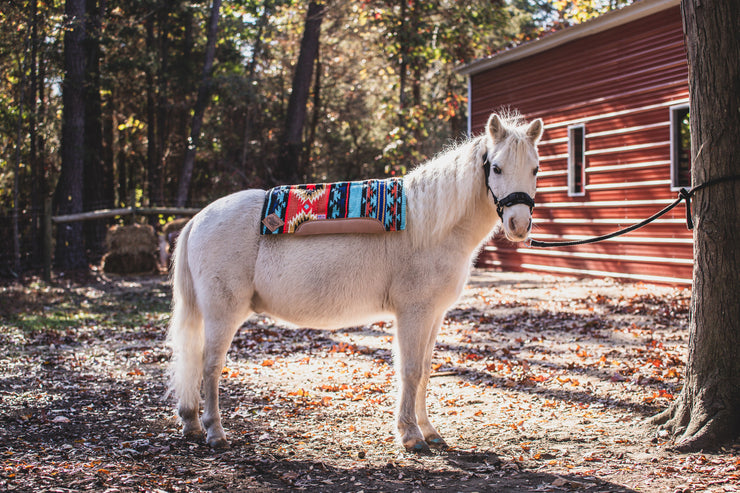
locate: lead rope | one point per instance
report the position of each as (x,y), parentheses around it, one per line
(683,194)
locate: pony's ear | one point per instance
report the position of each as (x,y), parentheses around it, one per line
(534,131)
(495,128)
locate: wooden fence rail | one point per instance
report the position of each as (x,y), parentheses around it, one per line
(49,220)
(104,213)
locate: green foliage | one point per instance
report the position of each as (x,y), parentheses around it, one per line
(386,96)
(354,124)
(423,43)
(555,14)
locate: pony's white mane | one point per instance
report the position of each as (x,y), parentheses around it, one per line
(443,190)
(450,186)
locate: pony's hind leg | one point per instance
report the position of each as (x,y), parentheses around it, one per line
(431,436)
(185,337)
(218,336)
(189,415)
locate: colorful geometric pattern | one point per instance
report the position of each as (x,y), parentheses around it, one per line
(288,206)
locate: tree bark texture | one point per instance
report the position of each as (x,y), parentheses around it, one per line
(17,166)
(289,169)
(200,107)
(162,131)
(315,113)
(37,158)
(70,251)
(404,44)
(95,177)
(250,93)
(153,159)
(707,412)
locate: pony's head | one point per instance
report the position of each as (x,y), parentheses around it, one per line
(511,163)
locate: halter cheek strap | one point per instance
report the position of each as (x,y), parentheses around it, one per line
(511,199)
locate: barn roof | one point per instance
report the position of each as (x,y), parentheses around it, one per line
(606,21)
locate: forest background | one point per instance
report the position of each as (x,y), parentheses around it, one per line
(113,103)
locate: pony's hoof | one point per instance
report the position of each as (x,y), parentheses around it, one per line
(437,443)
(192,432)
(419,447)
(219,443)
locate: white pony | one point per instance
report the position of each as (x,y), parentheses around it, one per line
(224,271)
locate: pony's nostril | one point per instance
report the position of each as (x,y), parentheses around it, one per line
(512,224)
(529,226)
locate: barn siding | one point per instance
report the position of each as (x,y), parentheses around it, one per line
(620,83)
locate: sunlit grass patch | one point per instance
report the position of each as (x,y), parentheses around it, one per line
(53,320)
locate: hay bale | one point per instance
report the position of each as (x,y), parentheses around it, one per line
(131,250)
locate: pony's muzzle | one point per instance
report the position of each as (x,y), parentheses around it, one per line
(517,223)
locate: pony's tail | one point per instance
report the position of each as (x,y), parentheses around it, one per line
(185,335)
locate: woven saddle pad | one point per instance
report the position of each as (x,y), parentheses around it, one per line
(371,206)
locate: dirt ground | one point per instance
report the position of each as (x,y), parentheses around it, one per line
(540,384)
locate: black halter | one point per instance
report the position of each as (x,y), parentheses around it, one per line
(511,199)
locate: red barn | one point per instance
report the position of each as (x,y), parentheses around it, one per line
(613,93)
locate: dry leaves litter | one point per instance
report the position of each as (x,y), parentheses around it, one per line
(539,384)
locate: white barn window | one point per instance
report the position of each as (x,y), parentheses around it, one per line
(576,160)
(680,148)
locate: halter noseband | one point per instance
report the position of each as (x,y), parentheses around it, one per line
(511,199)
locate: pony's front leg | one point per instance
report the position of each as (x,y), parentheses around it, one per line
(217,341)
(431,436)
(413,332)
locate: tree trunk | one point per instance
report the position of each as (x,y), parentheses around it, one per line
(314,116)
(70,251)
(122,167)
(707,412)
(36,161)
(22,62)
(153,160)
(200,107)
(95,195)
(289,169)
(109,145)
(404,47)
(256,53)
(417,60)
(162,130)
(41,175)
(187,72)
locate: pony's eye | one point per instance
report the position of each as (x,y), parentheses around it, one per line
(496,169)
(534,172)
